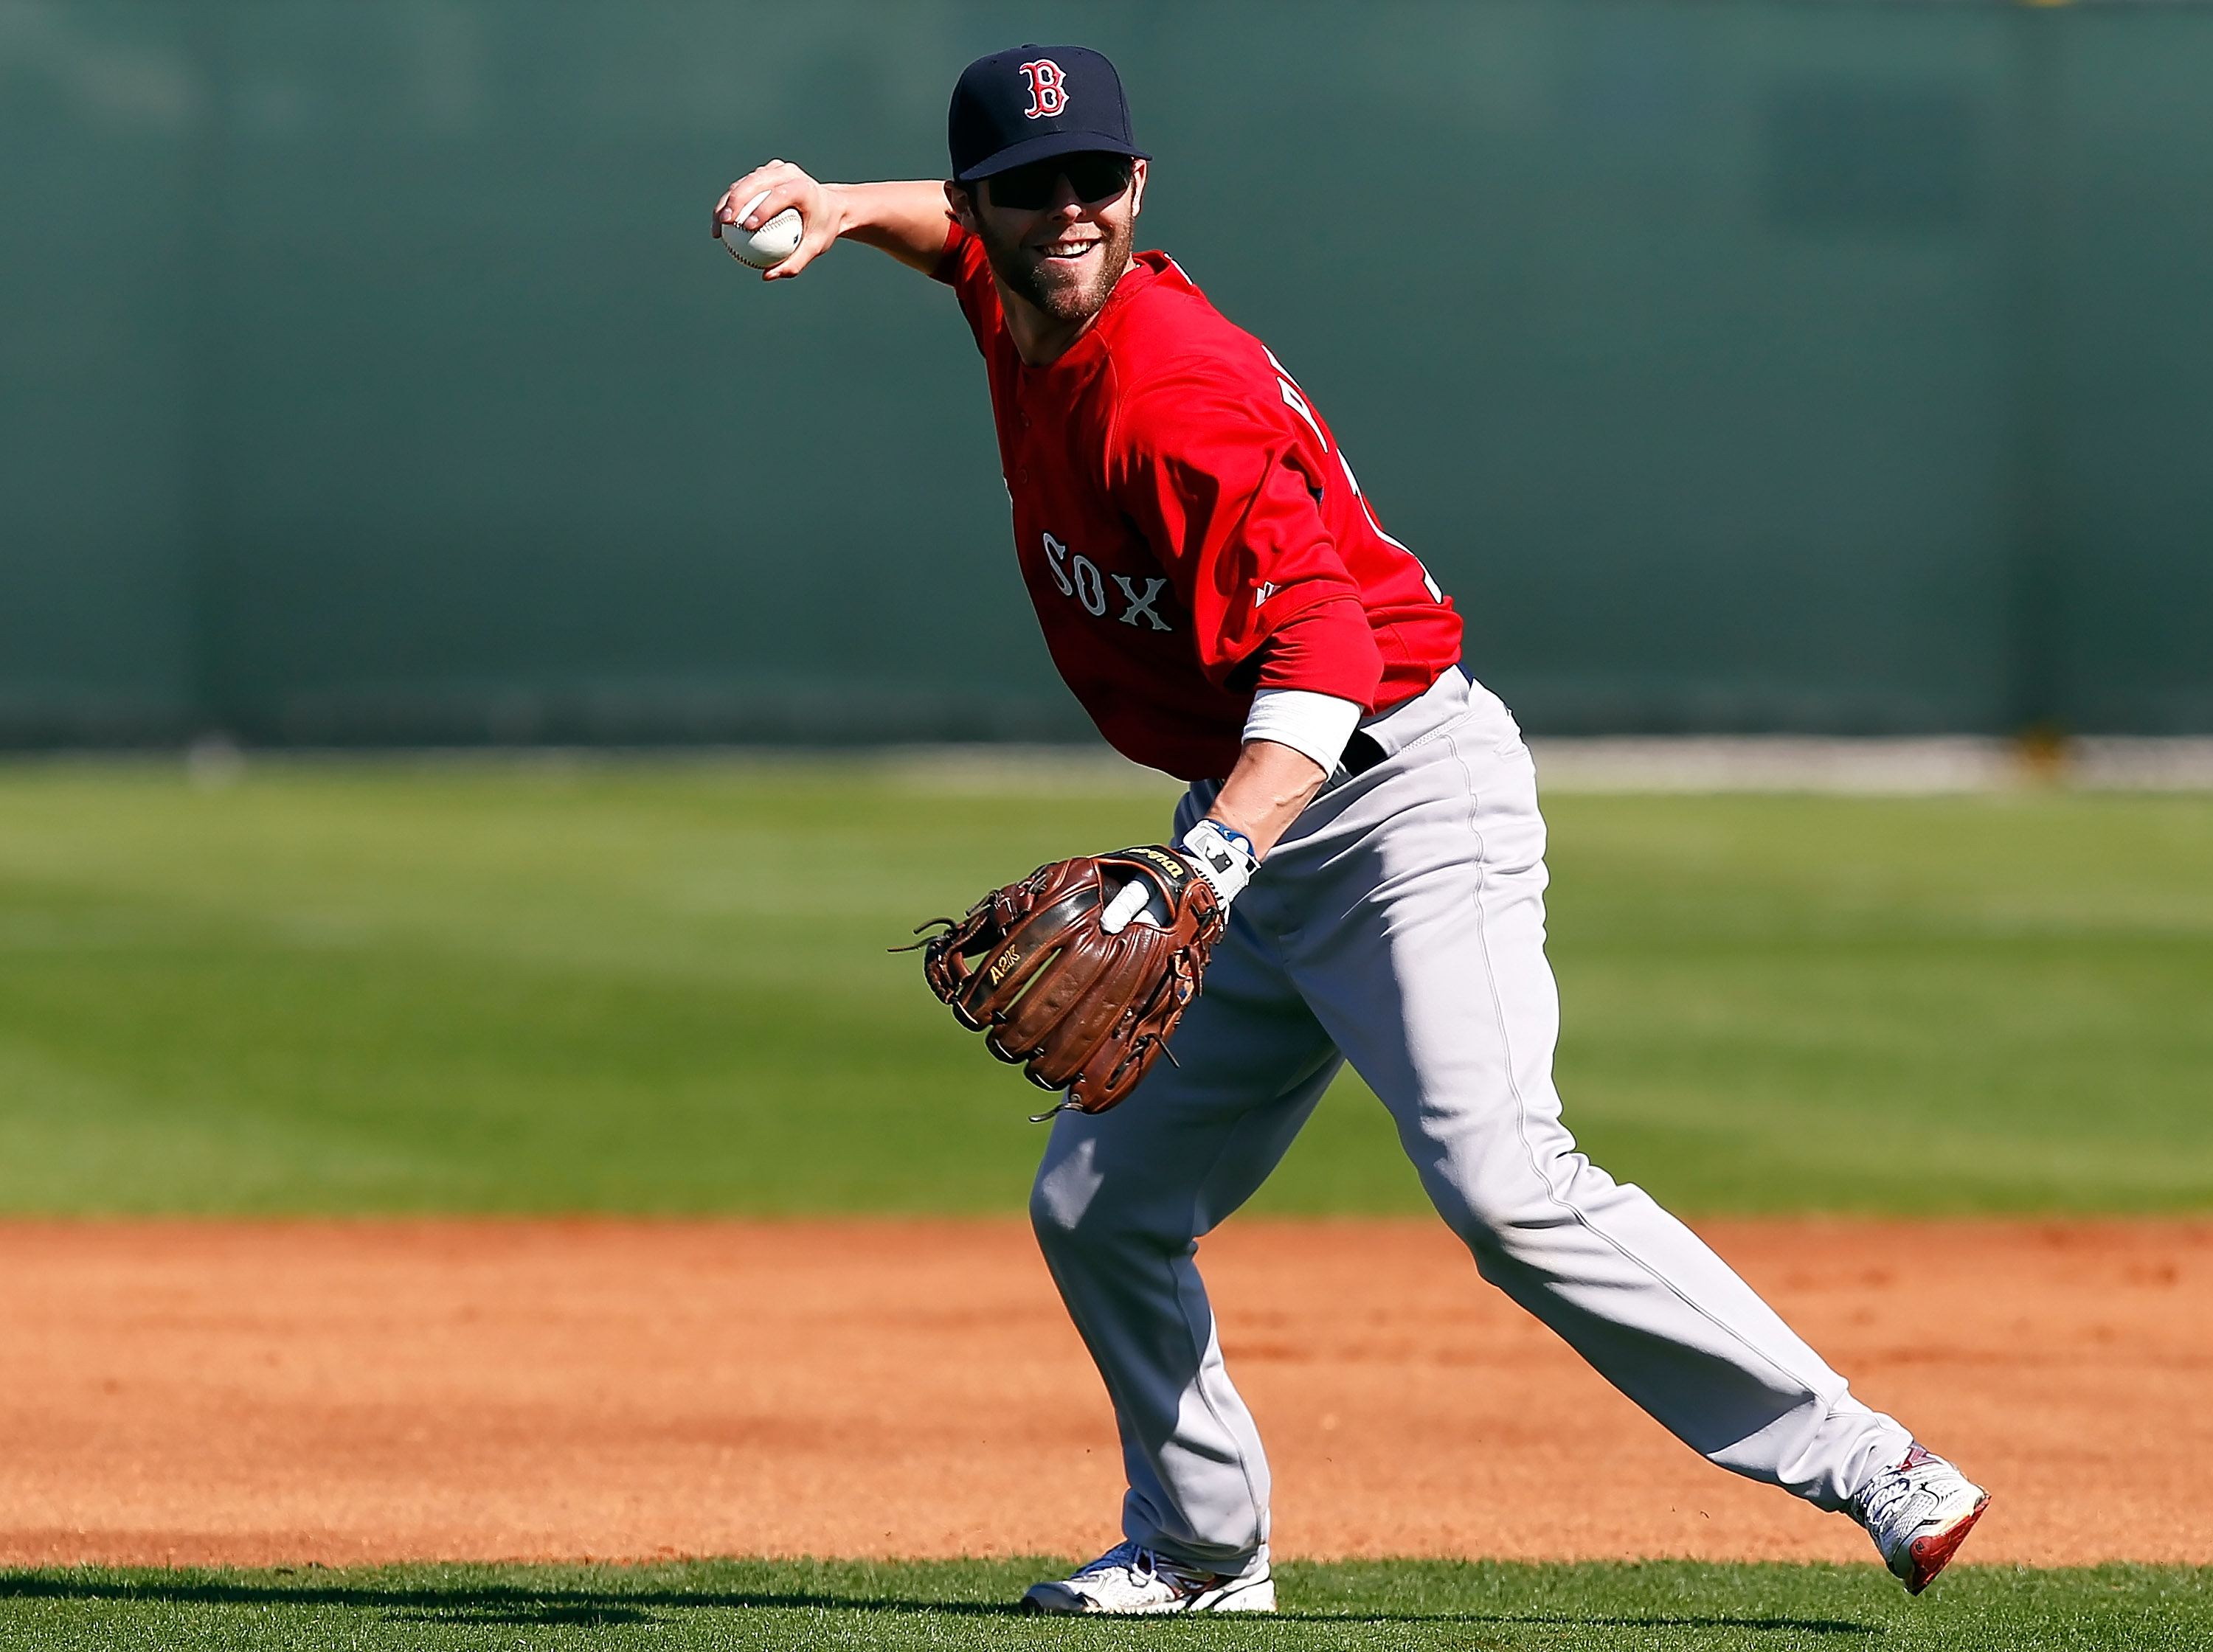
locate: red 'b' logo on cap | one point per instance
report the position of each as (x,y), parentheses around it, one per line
(1048,88)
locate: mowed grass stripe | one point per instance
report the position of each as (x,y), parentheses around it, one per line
(662,987)
(1653,1606)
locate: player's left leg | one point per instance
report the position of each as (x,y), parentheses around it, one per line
(1417,938)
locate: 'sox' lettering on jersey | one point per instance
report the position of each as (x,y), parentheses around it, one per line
(1080,578)
(1048,89)
(1142,604)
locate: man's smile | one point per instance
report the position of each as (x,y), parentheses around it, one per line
(1069,249)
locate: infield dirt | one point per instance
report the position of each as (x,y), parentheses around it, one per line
(273,1392)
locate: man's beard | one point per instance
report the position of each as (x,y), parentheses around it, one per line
(1063,300)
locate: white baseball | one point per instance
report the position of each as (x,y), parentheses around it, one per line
(769,245)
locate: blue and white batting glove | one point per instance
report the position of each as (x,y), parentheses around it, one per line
(1221,854)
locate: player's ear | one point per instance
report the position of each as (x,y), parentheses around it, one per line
(962,206)
(1136,187)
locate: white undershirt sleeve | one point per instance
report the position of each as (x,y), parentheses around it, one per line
(1316,724)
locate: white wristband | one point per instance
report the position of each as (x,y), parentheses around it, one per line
(1317,725)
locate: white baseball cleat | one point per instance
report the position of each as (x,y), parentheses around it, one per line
(1132,1581)
(1918,1513)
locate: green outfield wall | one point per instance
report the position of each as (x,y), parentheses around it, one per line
(370,374)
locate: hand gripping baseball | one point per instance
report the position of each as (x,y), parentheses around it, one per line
(1081,1008)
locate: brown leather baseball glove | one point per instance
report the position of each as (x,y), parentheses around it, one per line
(1083,1010)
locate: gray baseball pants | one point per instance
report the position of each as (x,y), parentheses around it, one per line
(1400,925)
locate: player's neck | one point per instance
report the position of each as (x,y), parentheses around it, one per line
(1041,339)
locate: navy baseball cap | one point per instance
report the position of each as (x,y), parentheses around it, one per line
(1034,101)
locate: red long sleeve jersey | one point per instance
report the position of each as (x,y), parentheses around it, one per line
(1188,528)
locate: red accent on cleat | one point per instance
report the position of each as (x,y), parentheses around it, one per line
(1931,1554)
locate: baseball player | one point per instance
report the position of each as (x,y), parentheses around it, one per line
(1225,603)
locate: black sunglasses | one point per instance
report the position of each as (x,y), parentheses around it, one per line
(1093,174)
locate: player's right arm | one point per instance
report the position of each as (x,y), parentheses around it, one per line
(909,220)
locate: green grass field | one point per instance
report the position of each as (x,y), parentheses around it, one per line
(455,985)
(1580,1608)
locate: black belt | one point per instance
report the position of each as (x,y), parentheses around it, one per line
(1361,754)
(1363,750)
